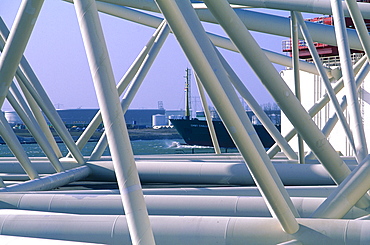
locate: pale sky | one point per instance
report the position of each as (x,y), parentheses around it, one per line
(56,53)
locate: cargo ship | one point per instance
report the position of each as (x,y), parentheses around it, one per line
(194,131)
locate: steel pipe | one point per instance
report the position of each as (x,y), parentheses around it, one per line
(325,79)
(122,85)
(258,111)
(280,91)
(211,128)
(116,129)
(353,107)
(17,42)
(190,34)
(160,36)
(51,181)
(297,79)
(112,229)
(222,42)
(174,205)
(27,118)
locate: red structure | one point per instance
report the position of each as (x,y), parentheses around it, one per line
(324,50)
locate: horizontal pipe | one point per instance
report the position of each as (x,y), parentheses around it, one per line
(13,240)
(51,181)
(179,205)
(293,191)
(257,21)
(193,172)
(154,21)
(112,229)
(307,6)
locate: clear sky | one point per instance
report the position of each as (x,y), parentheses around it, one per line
(56,53)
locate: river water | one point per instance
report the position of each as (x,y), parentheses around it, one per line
(140,147)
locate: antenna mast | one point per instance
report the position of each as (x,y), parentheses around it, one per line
(187,94)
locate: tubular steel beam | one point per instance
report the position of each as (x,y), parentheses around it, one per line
(258,111)
(19,105)
(222,42)
(353,107)
(334,119)
(347,194)
(38,114)
(297,79)
(17,42)
(161,35)
(122,85)
(282,94)
(318,106)
(15,146)
(31,82)
(112,229)
(207,113)
(51,181)
(262,22)
(188,30)
(358,20)
(325,79)
(180,205)
(117,135)
(308,6)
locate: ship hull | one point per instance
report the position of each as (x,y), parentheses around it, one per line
(196,132)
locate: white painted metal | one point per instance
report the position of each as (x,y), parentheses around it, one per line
(51,181)
(211,128)
(159,38)
(213,169)
(349,81)
(297,81)
(358,21)
(14,145)
(318,106)
(39,116)
(174,205)
(38,93)
(154,21)
(112,229)
(262,22)
(288,103)
(16,240)
(291,242)
(325,79)
(32,125)
(16,43)
(347,194)
(333,119)
(43,101)
(122,85)
(310,6)
(293,191)
(186,27)
(208,116)
(258,111)
(192,172)
(117,135)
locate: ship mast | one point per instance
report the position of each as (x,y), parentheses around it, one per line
(187,94)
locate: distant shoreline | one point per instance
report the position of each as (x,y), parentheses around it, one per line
(152,134)
(135,134)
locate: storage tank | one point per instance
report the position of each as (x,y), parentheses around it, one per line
(159,120)
(12,118)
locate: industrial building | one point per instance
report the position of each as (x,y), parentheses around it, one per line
(141,118)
